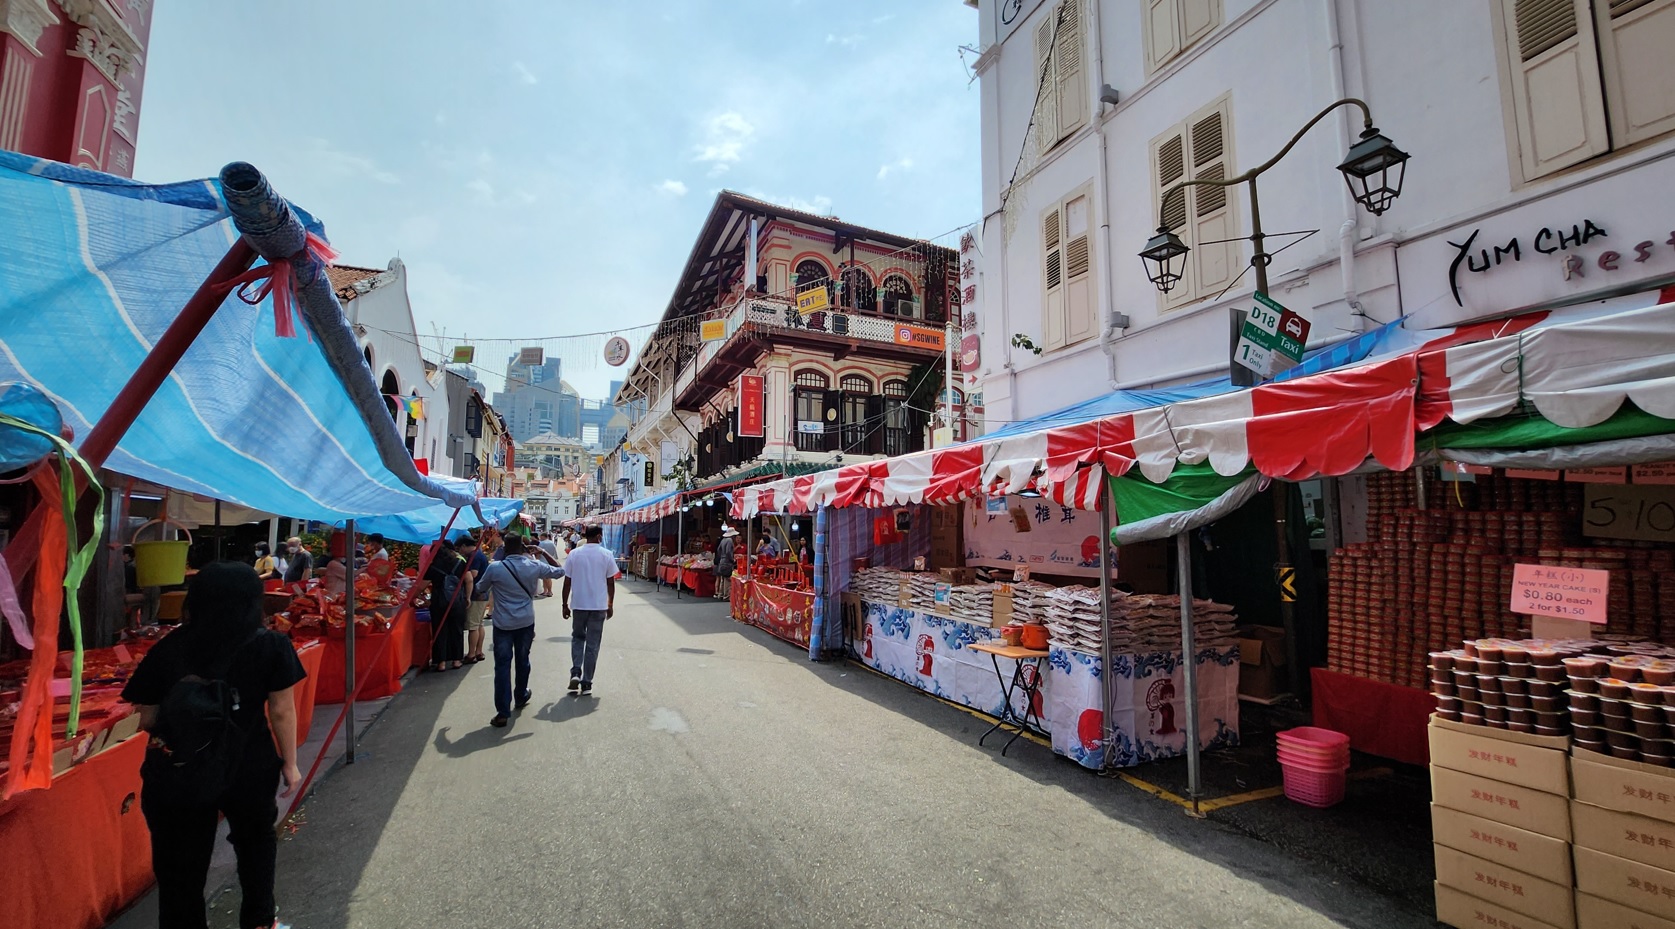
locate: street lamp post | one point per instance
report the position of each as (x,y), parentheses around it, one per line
(1374,169)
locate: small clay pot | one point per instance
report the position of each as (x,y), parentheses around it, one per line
(1550,731)
(1526,728)
(1515,651)
(1668,714)
(1627,753)
(1471,719)
(1546,689)
(1613,687)
(1662,761)
(1622,739)
(1649,694)
(1494,698)
(1465,678)
(1545,658)
(1451,715)
(1649,730)
(1468,693)
(1624,669)
(1590,745)
(1487,682)
(1469,646)
(1441,661)
(1551,720)
(1493,713)
(1517,669)
(1549,672)
(1578,685)
(1522,701)
(1443,689)
(1488,648)
(1584,667)
(1490,666)
(1515,685)
(1545,704)
(1661,673)
(1584,701)
(1646,714)
(1584,717)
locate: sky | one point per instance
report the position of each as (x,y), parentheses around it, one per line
(542,167)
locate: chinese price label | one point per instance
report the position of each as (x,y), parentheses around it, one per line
(1566,593)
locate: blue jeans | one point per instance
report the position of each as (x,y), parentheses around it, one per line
(507,644)
(585,628)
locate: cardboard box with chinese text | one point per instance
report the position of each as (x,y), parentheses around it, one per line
(1627,786)
(1002,608)
(1637,838)
(1533,810)
(1465,911)
(1598,913)
(1496,883)
(1543,856)
(1536,762)
(1631,883)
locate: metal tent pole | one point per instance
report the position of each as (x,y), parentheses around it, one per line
(1189,665)
(349,644)
(1105,657)
(217,530)
(680,544)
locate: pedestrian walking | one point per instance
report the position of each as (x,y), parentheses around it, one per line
(450,599)
(590,587)
(550,546)
(223,682)
(511,584)
(726,560)
(477,611)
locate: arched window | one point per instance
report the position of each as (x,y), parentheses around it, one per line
(860,412)
(859,293)
(898,425)
(390,388)
(368,354)
(898,296)
(812,274)
(812,396)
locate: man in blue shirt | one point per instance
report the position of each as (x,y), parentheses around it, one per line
(511,582)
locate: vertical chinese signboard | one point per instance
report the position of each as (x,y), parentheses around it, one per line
(751,418)
(970,338)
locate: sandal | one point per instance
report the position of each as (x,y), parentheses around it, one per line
(458,665)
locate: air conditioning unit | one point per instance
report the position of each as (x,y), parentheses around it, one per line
(907,308)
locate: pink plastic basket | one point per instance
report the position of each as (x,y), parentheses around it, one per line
(1313,762)
(1313,788)
(1312,740)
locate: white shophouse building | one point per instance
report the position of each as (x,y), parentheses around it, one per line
(1541,172)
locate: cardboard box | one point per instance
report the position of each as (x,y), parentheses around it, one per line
(1002,609)
(1144,566)
(1262,662)
(1537,762)
(959,576)
(1543,856)
(1528,809)
(1627,786)
(1598,913)
(1631,883)
(1467,912)
(1507,887)
(1637,838)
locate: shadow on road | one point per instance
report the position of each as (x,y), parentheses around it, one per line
(477,740)
(566,709)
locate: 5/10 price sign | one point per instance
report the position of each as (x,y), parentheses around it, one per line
(1629,511)
(1566,593)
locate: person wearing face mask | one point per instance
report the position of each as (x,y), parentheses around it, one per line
(266,567)
(300,568)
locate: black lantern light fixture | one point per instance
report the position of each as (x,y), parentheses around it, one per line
(1374,169)
(1165,259)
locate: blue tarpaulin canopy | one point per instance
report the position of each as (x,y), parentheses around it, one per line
(423,526)
(94,268)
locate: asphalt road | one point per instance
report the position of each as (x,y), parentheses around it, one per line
(717,778)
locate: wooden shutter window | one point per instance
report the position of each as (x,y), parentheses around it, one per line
(1069,75)
(1046,73)
(1050,248)
(1079,298)
(1635,37)
(1558,101)
(1163,36)
(1171,168)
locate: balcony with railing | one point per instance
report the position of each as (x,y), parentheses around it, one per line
(756,325)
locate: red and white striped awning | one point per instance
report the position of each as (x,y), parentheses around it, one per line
(1574,373)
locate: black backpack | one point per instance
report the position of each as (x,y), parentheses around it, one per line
(197,743)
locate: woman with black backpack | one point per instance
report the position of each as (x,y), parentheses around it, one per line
(201,693)
(450,601)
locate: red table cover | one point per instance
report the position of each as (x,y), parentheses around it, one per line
(701,583)
(310,654)
(1380,719)
(381,658)
(78,852)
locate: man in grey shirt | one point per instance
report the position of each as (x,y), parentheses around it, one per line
(551,548)
(511,582)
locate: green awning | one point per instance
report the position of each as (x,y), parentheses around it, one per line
(1188,488)
(1531,431)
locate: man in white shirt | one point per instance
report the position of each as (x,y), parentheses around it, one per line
(590,587)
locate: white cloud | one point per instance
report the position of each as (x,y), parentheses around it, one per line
(847,41)
(725,137)
(881,20)
(482,188)
(895,167)
(347,164)
(673,187)
(524,74)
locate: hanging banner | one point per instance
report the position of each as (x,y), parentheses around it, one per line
(813,301)
(752,418)
(921,337)
(464,354)
(532,357)
(712,330)
(616,351)
(971,341)
(1059,539)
